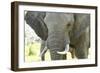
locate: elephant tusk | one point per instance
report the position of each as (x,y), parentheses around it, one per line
(65,51)
(43,52)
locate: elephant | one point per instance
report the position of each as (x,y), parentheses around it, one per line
(60,31)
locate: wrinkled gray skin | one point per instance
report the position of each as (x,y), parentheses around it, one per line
(66,29)
(36,21)
(80,35)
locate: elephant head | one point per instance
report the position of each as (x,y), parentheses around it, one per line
(59,31)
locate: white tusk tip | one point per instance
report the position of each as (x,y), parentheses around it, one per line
(63,52)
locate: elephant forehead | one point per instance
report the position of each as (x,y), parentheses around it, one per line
(67,17)
(58,18)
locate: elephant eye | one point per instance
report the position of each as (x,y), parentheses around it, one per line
(68,25)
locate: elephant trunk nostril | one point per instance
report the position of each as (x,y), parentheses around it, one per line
(65,51)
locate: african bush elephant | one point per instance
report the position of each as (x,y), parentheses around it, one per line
(64,30)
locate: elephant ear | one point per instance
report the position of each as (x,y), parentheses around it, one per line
(36,21)
(82,22)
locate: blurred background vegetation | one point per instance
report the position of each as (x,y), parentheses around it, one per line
(32,52)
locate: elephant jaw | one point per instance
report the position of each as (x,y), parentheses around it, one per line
(65,51)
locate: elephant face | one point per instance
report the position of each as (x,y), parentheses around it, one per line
(58,30)
(59,25)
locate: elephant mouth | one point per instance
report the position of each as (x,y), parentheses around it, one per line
(65,51)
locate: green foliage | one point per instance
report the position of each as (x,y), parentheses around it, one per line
(32,52)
